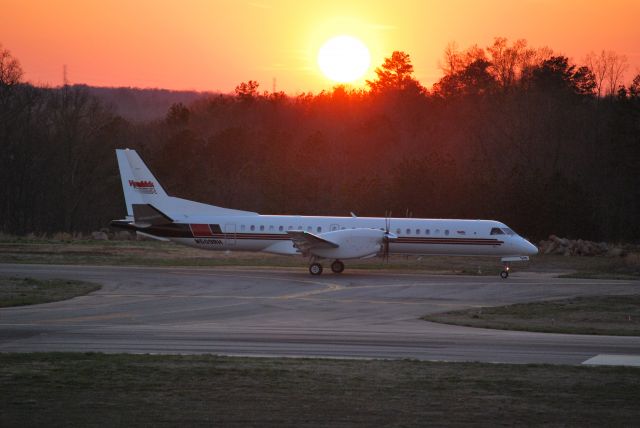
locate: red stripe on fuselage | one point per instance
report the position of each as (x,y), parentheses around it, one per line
(201,231)
(400,240)
(469,241)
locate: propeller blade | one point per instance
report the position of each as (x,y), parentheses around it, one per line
(387,235)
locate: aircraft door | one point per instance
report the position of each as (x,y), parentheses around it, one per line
(230,234)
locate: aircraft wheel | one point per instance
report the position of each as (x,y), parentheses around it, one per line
(315,269)
(504,274)
(337,266)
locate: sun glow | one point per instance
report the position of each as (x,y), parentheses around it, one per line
(344,59)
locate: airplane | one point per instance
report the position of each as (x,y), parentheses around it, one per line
(154,214)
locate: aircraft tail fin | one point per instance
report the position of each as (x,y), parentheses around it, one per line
(142,188)
(138,183)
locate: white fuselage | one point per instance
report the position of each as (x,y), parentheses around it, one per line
(268,233)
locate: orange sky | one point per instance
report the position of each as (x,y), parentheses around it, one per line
(216,44)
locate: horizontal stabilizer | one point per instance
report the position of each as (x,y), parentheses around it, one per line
(147,215)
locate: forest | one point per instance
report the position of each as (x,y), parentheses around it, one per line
(509,132)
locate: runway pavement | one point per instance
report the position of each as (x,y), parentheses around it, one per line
(287,312)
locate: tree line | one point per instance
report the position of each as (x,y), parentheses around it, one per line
(508,132)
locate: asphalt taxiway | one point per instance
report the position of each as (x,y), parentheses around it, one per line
(286,312)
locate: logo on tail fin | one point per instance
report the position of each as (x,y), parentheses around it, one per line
(143,186)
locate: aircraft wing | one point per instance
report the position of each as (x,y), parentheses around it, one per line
(306,241)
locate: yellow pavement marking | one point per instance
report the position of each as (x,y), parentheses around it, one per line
(328,286)
(115,315)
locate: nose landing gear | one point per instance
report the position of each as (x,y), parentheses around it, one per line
(505,269)
(506,264)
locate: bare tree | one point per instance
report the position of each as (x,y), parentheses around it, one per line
(598,66)
(10,69)
(615,72)
(451,59)
(608,70)
(504,60)
(472,54)
(634,88)
(455,61)
(508,63)
(530,58)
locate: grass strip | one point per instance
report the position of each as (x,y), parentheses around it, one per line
(30,291)
(64,389)
(604,315)
(155,253)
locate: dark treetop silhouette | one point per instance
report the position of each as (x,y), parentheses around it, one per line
(508,132)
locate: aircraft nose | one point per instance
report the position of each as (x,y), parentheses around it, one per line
(529,248)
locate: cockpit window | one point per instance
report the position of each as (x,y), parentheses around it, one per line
(497,231)
(508,231)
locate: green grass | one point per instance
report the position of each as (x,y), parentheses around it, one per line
(155,253)
(30,291)
(134,390)
(608,315)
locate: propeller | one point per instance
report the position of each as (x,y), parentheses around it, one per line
(387,237)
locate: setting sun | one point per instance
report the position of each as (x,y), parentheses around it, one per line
(344,59)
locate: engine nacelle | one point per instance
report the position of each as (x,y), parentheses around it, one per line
(353,244)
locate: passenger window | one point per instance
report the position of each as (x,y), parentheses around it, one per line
(261,227)
(446,232)
(253,227)
(242,228)
(300,228)
(496,231)
(437,231)
(290,227)
(408,231)
(426,231)
(319,229)
(271,228)
(281,228)
(417,231)
(398,231)
(309,228)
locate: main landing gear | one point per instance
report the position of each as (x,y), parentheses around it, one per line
(315,268)
(337,266)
